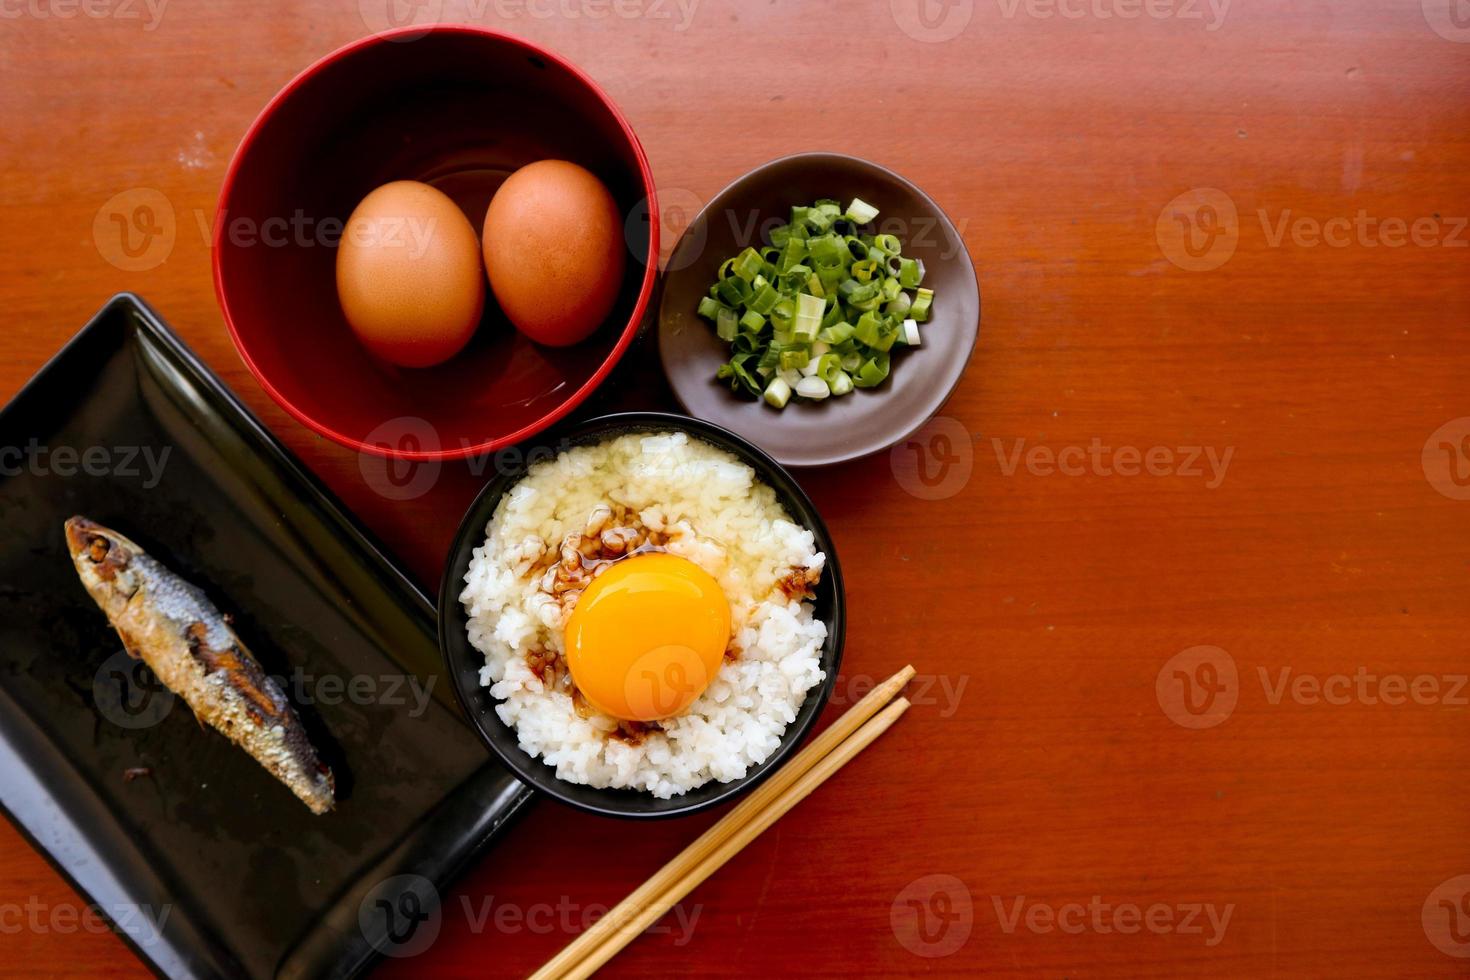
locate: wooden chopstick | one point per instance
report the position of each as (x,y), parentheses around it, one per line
(711,839)
(758,811)
(627,922)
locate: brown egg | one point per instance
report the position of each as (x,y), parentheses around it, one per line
(408,275)
(554,250)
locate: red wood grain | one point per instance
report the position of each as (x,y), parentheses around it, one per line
(1041,771)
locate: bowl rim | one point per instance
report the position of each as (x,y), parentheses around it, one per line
(942,393)
(573,400)
(536,773)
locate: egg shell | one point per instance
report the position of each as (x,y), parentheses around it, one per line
(554,251)
(408,275)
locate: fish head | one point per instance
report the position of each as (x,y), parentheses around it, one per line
(104,559)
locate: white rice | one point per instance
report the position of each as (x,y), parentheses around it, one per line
(716,513)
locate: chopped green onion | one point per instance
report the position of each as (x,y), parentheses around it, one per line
(727,324)
(865,292)
(910,273)
(898,306)
(834,312)
(813,387)
(872,373)
(814,359)
(752,384)
(748,264)
(791,254)
(828,367)
(867,298)
(809,310)
(888,332)
(826,250)
(860,212)
(764,299)
(753,321)
(831,277)
(887,244)
(920,309)
(709,308)
(782,313)
(795,358)
(836,333)
(795,278)
(813,219)
(735,291)
(816,311)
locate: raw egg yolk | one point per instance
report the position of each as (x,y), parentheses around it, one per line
(647,637)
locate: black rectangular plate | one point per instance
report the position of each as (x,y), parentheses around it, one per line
(250,882)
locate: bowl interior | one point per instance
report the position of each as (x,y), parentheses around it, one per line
(464,661)
(457,108)
(810,433)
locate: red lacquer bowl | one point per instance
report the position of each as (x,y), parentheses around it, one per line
(458,107)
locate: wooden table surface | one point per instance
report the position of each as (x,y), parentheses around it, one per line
(1183,564)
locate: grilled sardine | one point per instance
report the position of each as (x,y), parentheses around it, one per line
(188,643)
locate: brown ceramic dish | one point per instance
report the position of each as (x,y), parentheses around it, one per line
(837,429)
